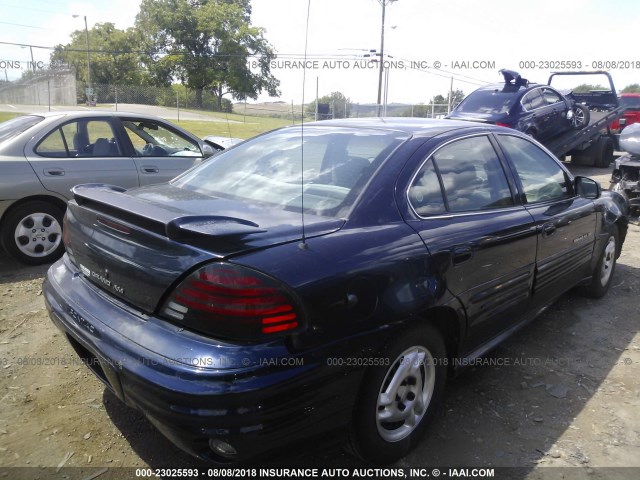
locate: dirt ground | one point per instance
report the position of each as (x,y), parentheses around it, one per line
(565,392)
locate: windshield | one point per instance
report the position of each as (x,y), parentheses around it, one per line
(487,101)
(268,170)
(630,102)
(14,127)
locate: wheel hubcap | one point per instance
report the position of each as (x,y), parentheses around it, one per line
(405,394)
(578,117)
(38,235)
(608,260)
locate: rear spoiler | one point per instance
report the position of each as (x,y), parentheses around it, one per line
(113,200)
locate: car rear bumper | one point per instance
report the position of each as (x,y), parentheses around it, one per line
(271,402)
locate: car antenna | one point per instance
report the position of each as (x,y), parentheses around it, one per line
(303,245)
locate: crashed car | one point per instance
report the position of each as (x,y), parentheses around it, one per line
(540,111)
(625,178)
(324,280)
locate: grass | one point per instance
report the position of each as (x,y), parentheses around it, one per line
(4,116)
(245,127)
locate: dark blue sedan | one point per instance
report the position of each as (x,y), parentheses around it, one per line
(540,111)
(325,279)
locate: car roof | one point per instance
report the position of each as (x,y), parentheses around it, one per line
(94,114)
(423,127)
(500,86)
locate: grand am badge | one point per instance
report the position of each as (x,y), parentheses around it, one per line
(103,278)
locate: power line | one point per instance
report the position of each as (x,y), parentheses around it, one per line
(29,9)
(25,26)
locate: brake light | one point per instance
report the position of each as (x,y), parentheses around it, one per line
(66,238)
(234,302)
(501,124)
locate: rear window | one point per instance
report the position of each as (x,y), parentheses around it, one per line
(487,101)
(14,127)
(269,170)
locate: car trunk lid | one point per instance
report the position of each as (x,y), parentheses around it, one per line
(137,244)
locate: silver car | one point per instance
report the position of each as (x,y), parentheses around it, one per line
(43,156)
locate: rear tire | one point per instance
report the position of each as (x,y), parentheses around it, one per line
(604,152)
(398,399)
(599,154)
(32,233)
(603,273)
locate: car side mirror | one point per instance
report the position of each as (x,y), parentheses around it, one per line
(587,187)
(207,150)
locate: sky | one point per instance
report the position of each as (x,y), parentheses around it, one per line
(429,43)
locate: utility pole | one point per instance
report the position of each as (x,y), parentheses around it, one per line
(86,31)
(380,73)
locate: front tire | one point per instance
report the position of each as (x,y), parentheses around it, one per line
(32,233)
(603,273)
(397,400)
(581,116)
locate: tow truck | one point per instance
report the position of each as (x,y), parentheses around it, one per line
(595,144)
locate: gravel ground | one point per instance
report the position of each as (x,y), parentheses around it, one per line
(564,392)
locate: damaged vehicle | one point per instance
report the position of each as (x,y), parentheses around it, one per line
(538,110)
(324,280)
(625,178)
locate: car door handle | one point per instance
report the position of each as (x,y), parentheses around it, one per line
(54,172)
(461,254)
(548,229)
(150,169)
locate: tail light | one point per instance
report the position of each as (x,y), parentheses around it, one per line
(233,302)
(501,124)
(66,238)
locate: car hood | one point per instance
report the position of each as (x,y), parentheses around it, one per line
(137,243)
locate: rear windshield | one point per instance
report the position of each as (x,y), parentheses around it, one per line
(14,127)
(487,101)
(630,102)
(269,170)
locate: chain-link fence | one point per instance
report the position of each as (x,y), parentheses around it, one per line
(177,96)
(344,110)
(60,88)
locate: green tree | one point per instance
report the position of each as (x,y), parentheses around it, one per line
(114,55)
(585,88)
(633,88)
(207,45)
(339,105)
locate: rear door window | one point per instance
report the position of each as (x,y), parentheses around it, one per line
(470,175)
(533,100)
(82,138)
